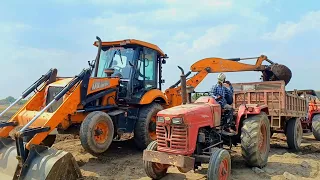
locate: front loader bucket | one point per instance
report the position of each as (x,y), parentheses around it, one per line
(42,163)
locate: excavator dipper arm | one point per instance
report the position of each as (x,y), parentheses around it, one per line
(216,65)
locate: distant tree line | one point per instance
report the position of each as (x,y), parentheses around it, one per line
(9,100)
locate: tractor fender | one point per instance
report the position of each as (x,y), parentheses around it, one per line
(152,95)
(248,109)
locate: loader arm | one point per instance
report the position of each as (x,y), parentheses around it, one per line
(212,65)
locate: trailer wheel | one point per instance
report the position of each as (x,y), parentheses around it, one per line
(316,126)
(154,170)
(219,165)
(145,129)
(96,132)
(255,140)
(294,134)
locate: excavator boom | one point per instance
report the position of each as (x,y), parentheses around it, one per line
(216,65)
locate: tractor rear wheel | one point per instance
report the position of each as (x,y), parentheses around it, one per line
(316,126)
(154,170)
(219,165)
(96,132)
(294,133)
(145,129)
(255,140)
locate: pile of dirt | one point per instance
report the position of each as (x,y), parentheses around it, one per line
(123,161)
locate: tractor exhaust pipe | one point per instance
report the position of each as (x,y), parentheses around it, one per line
(183,78)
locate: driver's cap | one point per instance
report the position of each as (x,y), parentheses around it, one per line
(221,77)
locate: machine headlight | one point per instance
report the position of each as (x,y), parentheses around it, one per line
(160,119)
(177,120)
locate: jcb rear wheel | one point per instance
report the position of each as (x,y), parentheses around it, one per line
(145,129)
(255,140)
(154,170)
(294,134)
(219,165)
(316,126)
(96,132)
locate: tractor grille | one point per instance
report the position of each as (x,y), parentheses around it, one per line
(173,137)
(52,92)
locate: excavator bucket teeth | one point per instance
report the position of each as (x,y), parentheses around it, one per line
(42,163)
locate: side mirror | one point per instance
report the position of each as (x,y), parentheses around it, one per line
(164,61)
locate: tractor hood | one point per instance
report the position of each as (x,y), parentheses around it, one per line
(182,110)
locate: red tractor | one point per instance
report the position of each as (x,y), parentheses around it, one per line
(193,133)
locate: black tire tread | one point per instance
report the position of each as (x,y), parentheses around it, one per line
(86,141)
(249,140)
(215,159)
(316,126)
(290,133)
(147,165)
(141,134)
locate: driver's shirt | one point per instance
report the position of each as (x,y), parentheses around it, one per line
(219,90)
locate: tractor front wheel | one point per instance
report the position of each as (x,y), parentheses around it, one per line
(294,134)
(219,165)
(96,132)
(255,140)
(145,129)
(316,126)
(154,170)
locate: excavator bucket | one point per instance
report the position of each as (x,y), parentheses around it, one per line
(42,163)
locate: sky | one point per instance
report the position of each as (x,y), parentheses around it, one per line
(39,35)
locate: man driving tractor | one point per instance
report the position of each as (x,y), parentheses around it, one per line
(224,97)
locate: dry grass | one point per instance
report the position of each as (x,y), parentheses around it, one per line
(10,113)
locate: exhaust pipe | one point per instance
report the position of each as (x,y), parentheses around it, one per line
(96,62)
(183,85)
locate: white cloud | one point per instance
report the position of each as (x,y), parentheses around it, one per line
(287,30)
(213,37)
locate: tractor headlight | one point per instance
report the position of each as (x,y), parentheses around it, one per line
(177,120)
(160,119)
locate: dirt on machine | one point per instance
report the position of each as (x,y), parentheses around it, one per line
(116,98)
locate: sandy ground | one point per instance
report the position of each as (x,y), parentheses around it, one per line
(123,161)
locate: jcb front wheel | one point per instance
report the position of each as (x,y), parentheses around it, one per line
(154,170)
(316,126)
(96,132)
(219,165)
(145,129)
(255,140)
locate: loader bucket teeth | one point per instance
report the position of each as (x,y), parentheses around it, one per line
(42,163)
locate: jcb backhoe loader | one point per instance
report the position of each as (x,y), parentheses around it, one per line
(117,98)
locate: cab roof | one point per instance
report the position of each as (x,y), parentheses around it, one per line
(131,41)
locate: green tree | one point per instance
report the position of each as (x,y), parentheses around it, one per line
(10,99)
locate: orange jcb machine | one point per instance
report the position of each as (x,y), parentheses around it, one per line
(116,98)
